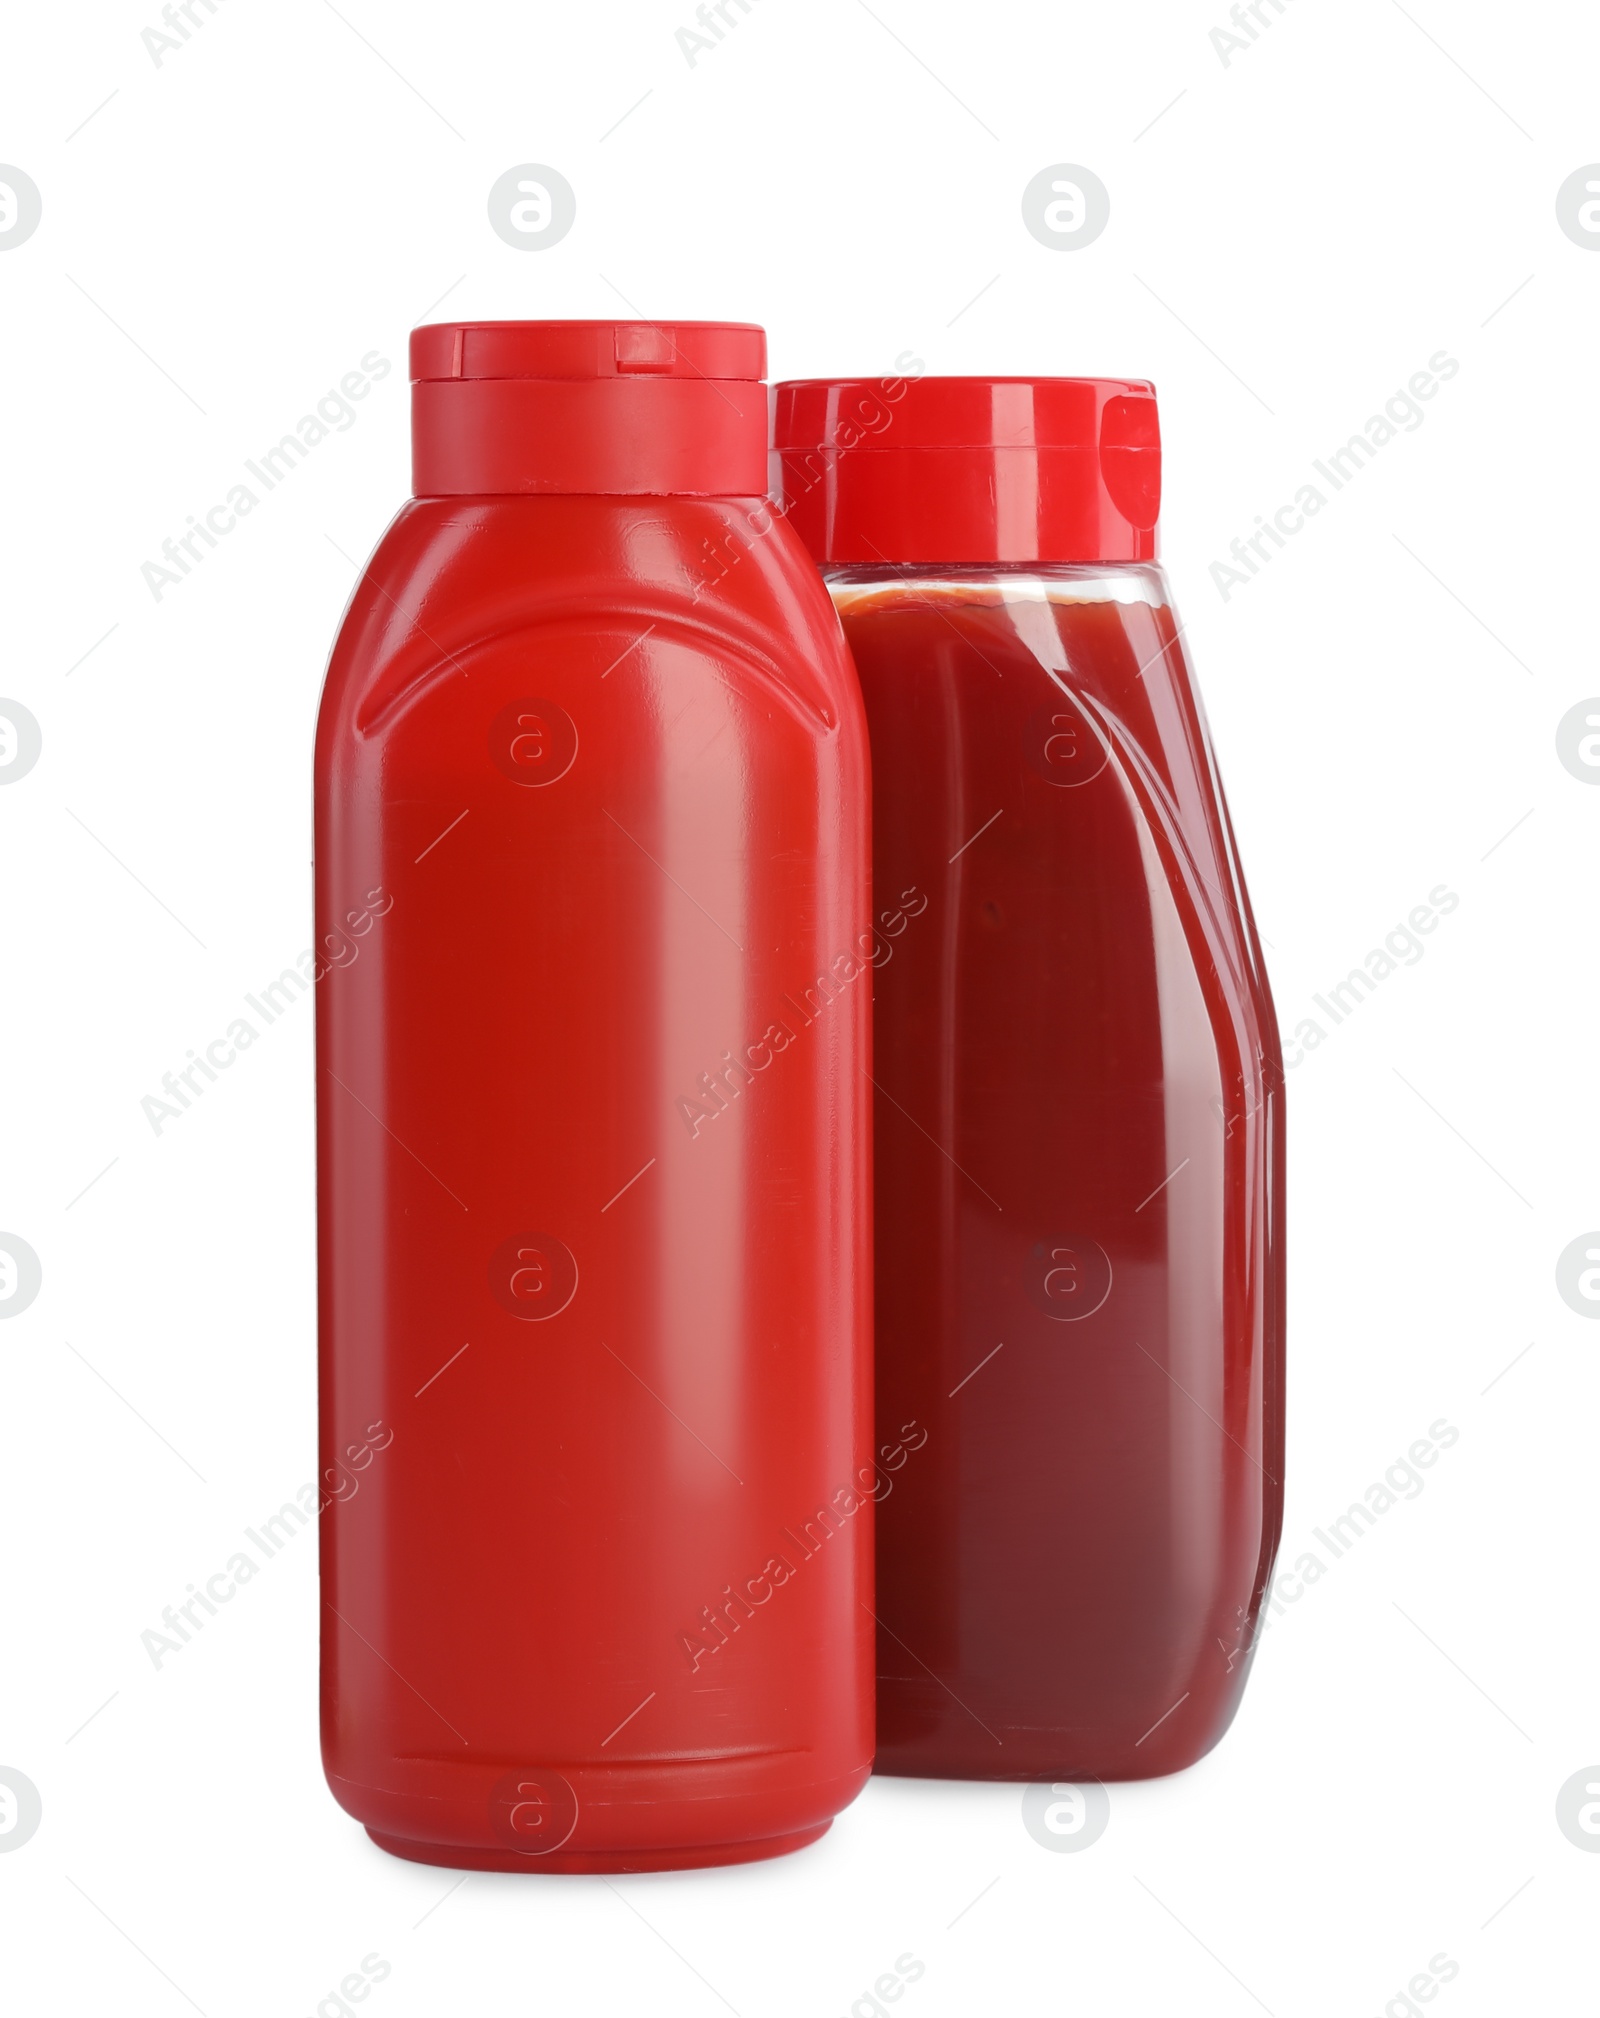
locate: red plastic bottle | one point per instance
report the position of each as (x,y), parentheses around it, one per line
(594,1185)
(1080,1122)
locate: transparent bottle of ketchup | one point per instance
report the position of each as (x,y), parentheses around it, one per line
(1079,1110)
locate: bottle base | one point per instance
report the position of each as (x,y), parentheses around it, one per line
(700,1856)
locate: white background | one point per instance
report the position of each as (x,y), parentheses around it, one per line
(1298,231)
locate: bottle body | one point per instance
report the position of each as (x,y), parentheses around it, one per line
(594,1189)
(1079,1170)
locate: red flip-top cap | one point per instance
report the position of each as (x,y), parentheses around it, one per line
(514,408)
(971,469)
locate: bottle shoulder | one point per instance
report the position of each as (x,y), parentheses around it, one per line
(452,578)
